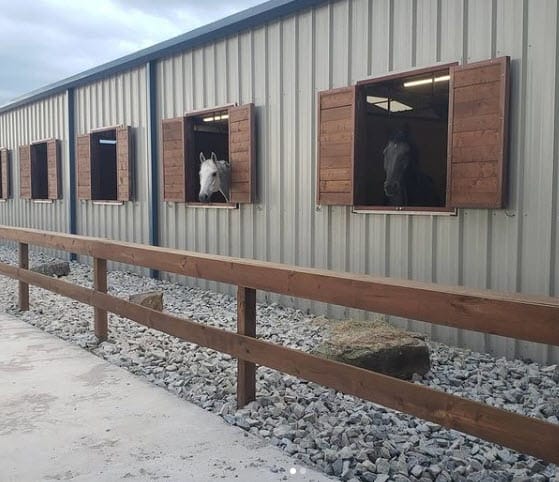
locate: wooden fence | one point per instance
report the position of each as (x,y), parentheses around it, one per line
(513,315)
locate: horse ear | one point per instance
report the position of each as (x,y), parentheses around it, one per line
(214,157)
(202,158)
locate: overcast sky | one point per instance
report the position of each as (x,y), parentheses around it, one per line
(43,41)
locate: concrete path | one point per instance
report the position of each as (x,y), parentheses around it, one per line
(67,415)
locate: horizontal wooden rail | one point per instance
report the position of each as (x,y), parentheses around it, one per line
(513,315)
(525,434)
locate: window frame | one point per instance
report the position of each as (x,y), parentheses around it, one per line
(32,146)
(441,210)
(179,163)
(93,136)
(189,163)
(125,192)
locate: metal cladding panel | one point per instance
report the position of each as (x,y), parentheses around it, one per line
(282,65)
(118,100)
(41,120)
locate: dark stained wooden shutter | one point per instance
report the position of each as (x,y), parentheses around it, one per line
(53,166)
(336,144)
(242,153)
(84,166)
(124,162)
(5,172)
(25,172)
(477,141)
(173,133)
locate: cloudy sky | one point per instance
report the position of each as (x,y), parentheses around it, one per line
(43,41)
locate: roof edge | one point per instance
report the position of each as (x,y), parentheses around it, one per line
(246,19)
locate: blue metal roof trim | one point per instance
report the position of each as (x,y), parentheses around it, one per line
(252,17)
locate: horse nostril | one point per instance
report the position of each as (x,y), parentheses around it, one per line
(390,188)
(203,198)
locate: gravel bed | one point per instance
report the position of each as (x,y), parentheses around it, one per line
(339,434)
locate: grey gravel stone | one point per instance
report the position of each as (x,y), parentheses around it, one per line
(53,268)
(369,476)
(383,466)
(337,467)
(416,470)
(382,478)
(345,453)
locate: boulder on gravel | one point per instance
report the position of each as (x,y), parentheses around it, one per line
(151,299)
(376,346)
(59,268)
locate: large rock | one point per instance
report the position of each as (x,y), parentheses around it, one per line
(152,299)
(377,346)
(61,268)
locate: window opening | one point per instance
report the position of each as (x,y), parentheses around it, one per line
(103,166)
(402,155)
(210,134)
(39,171)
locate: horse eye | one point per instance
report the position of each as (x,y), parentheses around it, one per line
(214,174)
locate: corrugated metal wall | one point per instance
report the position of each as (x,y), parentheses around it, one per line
(281,66)
(119,99)
(44,119)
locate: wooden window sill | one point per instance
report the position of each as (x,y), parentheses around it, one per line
(108,203)
(213,205)
(42,201)
(427,211)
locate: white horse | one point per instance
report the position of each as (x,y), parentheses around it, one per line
(214,176)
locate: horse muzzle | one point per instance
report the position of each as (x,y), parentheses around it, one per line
(391,188)
(204,198)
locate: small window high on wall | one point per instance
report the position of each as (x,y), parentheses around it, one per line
(432,139)
(39,169)
(105,158)
(228,133)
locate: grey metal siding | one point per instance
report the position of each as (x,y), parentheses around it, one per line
(38,121)
(282,65)
(120,99)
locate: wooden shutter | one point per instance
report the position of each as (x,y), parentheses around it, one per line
(477,140)
(174,159)
(336,144)
(5,172)
(242,153)
(84,166)
(53,166)
(124,162)
(25,172)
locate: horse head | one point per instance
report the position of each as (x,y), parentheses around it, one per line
(214,177)
(398,159)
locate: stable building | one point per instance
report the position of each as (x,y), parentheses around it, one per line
(303,97)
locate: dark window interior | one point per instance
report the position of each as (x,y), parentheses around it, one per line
(39,171)
(414,108)
(103,166)
(210,133)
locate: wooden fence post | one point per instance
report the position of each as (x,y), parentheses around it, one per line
(23,288)
(100,284)
(246,325)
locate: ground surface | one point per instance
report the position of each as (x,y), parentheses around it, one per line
(68,415)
